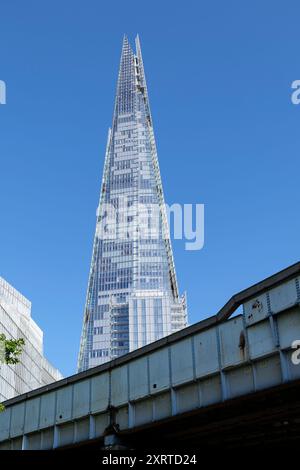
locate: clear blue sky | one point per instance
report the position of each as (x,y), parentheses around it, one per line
(219,77)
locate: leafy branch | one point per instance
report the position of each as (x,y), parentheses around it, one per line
(10,351)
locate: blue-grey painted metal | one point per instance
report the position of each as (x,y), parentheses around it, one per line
(204,364)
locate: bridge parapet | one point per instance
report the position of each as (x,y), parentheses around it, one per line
(212,361)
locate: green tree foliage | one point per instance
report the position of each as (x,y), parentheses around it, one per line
(10,351)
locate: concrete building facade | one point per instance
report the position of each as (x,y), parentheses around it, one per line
(33,370)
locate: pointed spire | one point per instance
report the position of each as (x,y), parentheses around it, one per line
(142,75)
(125,88)
(137,41)
(132,171)
(157,171)
(126,47)
(125,44)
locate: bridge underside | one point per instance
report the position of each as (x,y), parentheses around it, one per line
(270,418)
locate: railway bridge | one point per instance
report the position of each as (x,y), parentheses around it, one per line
(230,380)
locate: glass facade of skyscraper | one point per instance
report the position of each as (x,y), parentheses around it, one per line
(132,296)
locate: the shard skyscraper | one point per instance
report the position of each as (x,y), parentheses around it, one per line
(132,297)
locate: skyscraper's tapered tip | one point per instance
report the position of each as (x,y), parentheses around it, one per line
(127,293)
(137,41)
(126,44)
